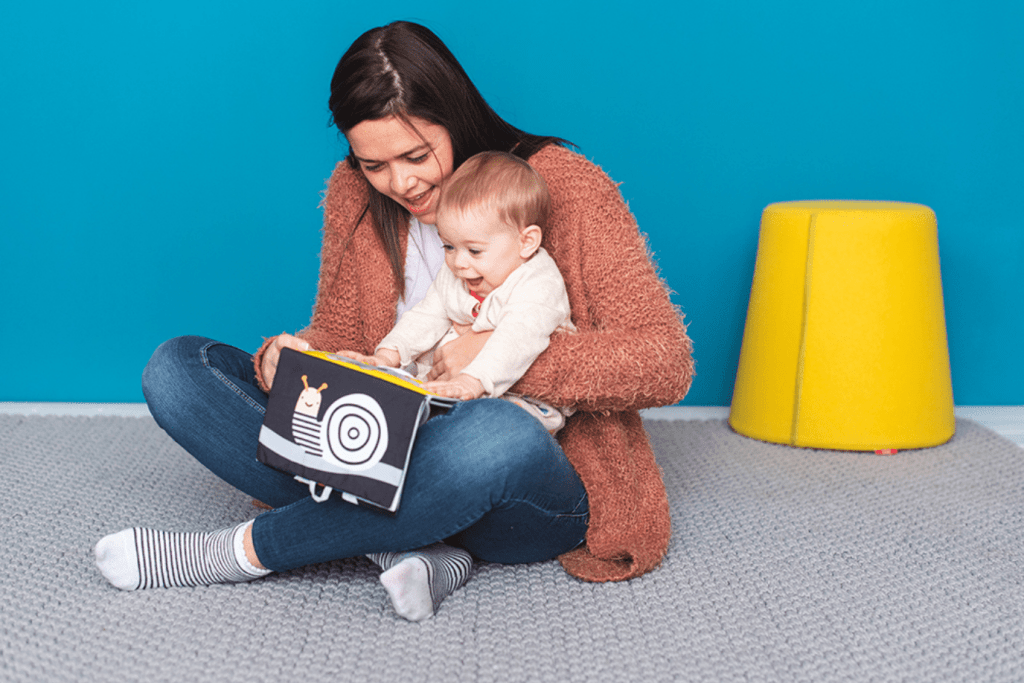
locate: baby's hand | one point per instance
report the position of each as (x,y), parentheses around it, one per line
(465,387)
(384,357)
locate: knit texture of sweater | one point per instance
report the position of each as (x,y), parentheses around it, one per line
(631,350)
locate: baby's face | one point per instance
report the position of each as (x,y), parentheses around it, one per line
(480,249)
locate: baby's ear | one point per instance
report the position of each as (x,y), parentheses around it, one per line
(529,240)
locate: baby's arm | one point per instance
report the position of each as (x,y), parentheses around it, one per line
(522,334)
(383,357)
(419,329)
(533,307)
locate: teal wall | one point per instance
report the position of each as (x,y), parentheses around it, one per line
(162,164)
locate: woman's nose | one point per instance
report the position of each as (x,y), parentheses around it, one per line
(402,181)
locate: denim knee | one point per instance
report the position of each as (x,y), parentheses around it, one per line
(164,359)
(537,502)
(499,446)
(166,368)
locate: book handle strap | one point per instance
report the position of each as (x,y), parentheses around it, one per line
(324,494)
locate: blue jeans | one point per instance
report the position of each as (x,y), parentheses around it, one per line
(486,476)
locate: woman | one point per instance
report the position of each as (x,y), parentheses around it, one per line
(485,477)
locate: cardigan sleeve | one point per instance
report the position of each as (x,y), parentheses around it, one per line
(335,323)
(632,350)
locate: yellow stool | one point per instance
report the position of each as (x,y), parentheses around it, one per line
(845,342)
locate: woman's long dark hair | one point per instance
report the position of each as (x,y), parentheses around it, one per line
(404,70)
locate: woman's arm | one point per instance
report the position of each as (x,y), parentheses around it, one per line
(631,350)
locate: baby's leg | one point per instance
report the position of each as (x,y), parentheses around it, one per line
(418,581)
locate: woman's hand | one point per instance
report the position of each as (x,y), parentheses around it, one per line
(465,387)
(273,354)
(453,357)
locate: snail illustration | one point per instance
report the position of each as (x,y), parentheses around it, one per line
(352,434)
(305,425)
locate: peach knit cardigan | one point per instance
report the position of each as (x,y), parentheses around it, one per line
(631,350)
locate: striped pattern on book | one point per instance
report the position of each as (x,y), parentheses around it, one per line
(306,433)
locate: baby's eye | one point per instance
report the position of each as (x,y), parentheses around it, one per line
(447,247)
(474,252)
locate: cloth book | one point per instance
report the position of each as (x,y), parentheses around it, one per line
(339,425)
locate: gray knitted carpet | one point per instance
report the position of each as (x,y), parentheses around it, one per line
(786,564)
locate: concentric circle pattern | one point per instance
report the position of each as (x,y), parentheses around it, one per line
(354,432)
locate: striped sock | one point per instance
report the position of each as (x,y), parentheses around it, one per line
(418,581)
(143,558)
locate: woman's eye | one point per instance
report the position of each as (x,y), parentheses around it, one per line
(371,168)
(419,159)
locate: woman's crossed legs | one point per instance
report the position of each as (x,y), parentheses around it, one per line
(486,475)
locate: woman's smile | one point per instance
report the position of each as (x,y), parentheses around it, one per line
(404,159)
(421,202)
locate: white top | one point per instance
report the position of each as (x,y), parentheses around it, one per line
(523,312)
(424,258)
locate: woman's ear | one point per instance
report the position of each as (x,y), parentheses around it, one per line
(529,240)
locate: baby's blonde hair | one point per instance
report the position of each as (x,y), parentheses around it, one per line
(499,182)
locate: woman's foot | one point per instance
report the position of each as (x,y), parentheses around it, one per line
(418,581)
(143,558)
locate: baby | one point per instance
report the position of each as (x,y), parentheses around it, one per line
(498,278)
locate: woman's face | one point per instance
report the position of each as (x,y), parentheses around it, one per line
(406,161)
